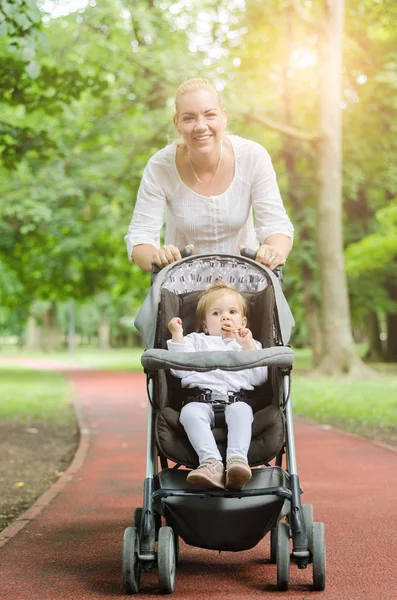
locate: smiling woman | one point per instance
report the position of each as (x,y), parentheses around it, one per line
(210,186)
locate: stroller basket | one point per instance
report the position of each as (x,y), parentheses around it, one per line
(219,520)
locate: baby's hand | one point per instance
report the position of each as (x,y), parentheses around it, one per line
(175,326)
(176,330)
(245,339)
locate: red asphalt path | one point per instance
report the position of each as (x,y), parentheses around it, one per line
(71,547)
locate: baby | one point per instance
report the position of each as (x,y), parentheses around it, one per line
(221,325)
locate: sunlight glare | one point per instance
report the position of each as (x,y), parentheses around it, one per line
(361,79)
(303,58)
(62,8)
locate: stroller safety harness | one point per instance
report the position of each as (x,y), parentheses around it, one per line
(209,397)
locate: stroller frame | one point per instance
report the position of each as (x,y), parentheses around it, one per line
(308,543)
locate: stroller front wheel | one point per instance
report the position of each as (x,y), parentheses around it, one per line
(283,556)
(273,545)
(319,556)
(130,558)
(166,559)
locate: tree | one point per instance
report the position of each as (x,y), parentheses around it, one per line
(325,21)
(339,353)
(67,212)
(372,266)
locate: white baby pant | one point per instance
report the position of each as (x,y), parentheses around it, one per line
(197,419)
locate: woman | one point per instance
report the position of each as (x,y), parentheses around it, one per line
(209,186)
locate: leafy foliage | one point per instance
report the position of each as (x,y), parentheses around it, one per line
(20,24)
(77,129)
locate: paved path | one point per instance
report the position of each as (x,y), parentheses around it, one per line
(71,548)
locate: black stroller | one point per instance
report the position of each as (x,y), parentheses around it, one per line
(270,501)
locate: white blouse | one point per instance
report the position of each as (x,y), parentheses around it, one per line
(217,380)
(212,223)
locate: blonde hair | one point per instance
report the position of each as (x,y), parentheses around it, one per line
(192,85)
(214,291)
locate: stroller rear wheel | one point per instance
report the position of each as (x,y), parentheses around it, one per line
(166,560)
(283,556)
(177,557)
(137,518)
(318,556)
(273,545)
(307,510)
(130,558)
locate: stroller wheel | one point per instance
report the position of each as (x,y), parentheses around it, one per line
(307,510)
(176,540)
(283,554)
(273,545)
(131,564)
(166,559)
(319,556)
(137,519)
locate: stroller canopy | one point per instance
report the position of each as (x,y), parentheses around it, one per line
(197,272)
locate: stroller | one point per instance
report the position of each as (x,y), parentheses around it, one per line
(270,502)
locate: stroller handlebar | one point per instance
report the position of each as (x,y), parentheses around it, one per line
(245,252)
(249,253)
(185,253)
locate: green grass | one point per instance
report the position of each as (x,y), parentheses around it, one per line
(354,405)
(34,395)
(360,406)
(123,359)
(303,359)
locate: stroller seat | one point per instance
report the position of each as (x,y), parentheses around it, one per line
(267,437)
(268,425)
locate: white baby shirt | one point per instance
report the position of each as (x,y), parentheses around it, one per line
(218,381)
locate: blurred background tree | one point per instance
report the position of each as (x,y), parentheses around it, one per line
(87,97)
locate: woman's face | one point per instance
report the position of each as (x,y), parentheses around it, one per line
(201,121)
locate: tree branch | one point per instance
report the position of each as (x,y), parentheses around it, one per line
(302,14)
(285,129)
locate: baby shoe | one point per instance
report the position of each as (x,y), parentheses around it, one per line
(210,474)
(238,473)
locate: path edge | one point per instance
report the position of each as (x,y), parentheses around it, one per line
(48,496)
(347,433)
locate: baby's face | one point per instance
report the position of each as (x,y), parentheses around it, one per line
(224,316)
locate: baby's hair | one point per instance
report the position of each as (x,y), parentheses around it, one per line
(192,85)
(214,291)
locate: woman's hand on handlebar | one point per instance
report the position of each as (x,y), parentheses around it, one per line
(269,256)
(167,255)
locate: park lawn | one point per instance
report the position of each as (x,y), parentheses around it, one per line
(365,407)
(358,406)
(116,359)
(30,395)
(38,436)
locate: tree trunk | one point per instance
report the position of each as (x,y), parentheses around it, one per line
(391,326)
(375,349)
(339,353)
(33,334)
(52,335)
(391,344)
(289,151)
(104,334)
